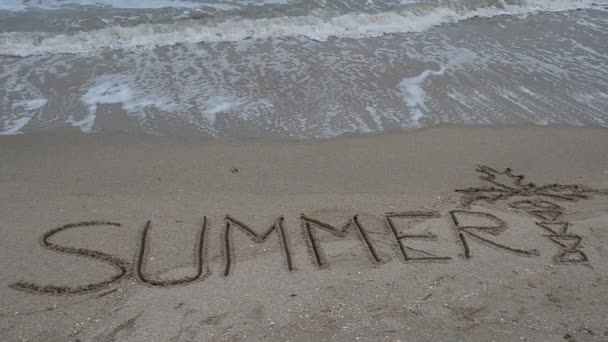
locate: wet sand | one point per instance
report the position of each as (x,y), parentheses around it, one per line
(357,238)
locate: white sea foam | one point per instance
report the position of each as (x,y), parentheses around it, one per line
(15,126)
(12,5)
(23,114)
(32,104)
(137,100)
(375,116)
(220,104)
(116,89)
(24,5)
(414,95)
(353,25)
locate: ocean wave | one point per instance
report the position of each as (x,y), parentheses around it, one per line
(25,5)
(317,27)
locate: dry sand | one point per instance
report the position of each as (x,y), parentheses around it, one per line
(505,278)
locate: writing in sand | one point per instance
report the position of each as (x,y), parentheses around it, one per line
(543,203)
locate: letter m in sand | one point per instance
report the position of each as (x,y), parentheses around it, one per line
(256,237)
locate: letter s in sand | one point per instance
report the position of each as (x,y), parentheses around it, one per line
(123,266)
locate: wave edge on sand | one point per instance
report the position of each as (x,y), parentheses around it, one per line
(315,27)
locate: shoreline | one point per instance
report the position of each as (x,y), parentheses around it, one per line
(453,146)
(374,228)
(506,70)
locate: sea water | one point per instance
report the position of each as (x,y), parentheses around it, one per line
(304,69)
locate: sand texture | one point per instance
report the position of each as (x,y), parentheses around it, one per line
(440,234)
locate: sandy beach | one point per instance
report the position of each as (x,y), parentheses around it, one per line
(303,170)
(415,236)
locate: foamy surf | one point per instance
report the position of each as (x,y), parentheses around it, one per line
(25,5)
(23,113)
(414,95)
(317,27)
(498,63)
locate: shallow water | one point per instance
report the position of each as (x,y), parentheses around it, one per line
(300,69)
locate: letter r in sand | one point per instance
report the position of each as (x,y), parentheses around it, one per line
(479,225)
